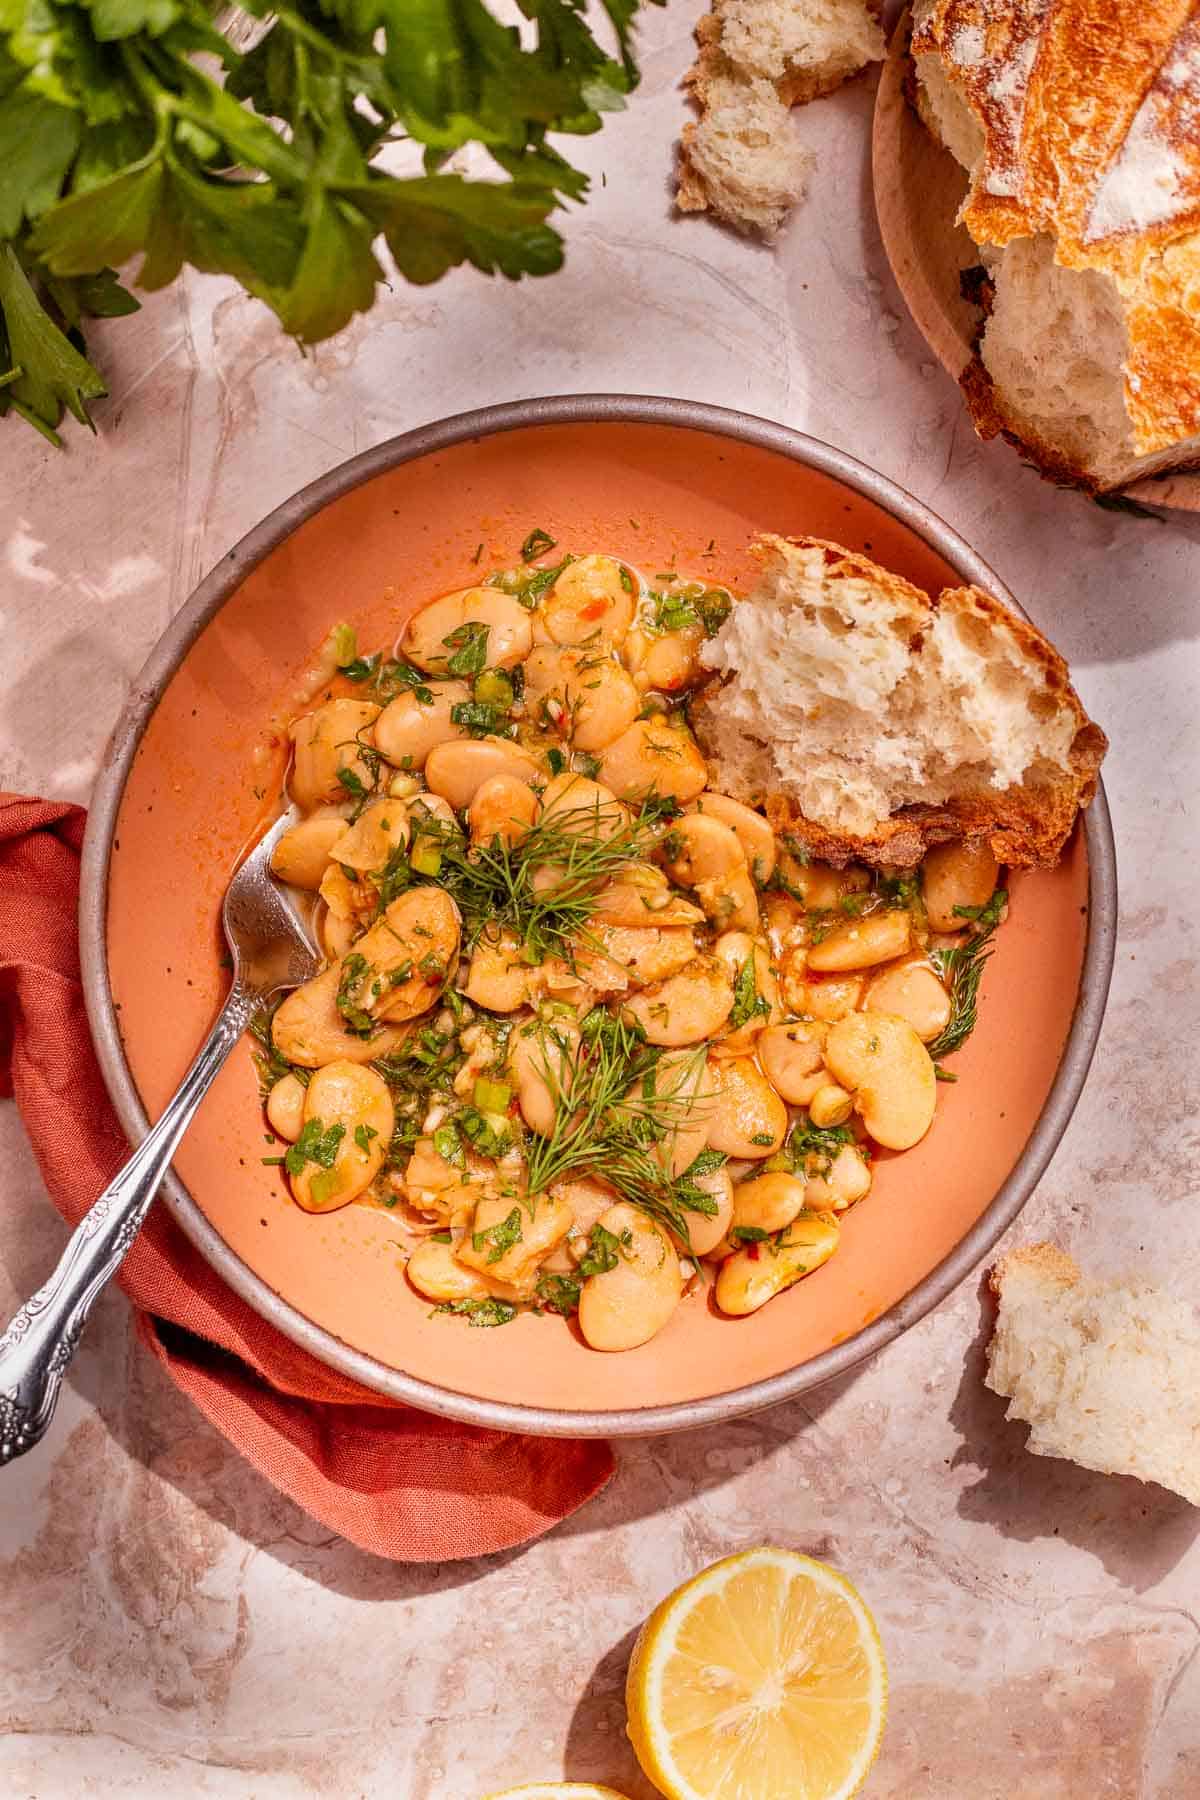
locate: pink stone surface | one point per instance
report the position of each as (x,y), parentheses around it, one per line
(170,1625)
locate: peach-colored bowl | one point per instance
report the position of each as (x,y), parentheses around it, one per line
(190,773)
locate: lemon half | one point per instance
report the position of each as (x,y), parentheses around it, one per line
(558,1790)
(760,1678)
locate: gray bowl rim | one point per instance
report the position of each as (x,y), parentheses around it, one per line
(162,664)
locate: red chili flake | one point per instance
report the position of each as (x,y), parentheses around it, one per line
(595,609)
(752,1252)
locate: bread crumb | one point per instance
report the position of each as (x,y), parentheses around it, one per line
(1105,1373)
(757,59)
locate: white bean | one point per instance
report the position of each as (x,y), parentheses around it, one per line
(408,728)
(509,633)
(627,1305)
(357,1099)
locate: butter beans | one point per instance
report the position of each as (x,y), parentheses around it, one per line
(593,594)
(817,886)
(826,997)
(735,949)
(499,977)
(830,1105)
(862,943)
(698,847)
(834,1186)
(345,1095)
(542,1057)
(503,808)
(627,1305)
(668,662)
(751,1277)
(642,896)
(685,1081)
(647,953)
(655,755)
(707,1230)
(398,968)
(730,902)
(583,807)
(791,1059)
(509,1249)
(326,740)
(301,855)
(408,729)
(687,1007)
(509,632)
(309,1030)
(583,693)
(768,1202)
(369,842)
(456,771)
(957,875)
(913,992)
(436,1272)
(888,1069)
(752,831)
(748,1119)
(285,1108)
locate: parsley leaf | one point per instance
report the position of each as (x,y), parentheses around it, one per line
(468,646)
(316,1144)
(479,1312)
(499,1238)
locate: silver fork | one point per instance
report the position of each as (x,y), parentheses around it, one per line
(272,950)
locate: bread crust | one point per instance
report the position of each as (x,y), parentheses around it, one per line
(1045,1261)
(1090,114)
(1024,827)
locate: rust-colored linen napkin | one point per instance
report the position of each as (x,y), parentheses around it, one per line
(393,1480)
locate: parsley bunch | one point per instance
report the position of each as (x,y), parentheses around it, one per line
(117,142)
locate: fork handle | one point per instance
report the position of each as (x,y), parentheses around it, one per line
(37,1347)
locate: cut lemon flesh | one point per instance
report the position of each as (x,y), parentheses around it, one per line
(762,1678)
(558,1790)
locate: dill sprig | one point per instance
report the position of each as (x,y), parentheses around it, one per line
(612,1119)
(544,887)
(961,967)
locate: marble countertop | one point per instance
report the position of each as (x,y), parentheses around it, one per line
(171,1625)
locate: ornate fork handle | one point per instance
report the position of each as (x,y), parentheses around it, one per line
(38,1345)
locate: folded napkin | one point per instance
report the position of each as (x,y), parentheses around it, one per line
(393,1480)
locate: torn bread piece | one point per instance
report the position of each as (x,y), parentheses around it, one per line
(740,158)
(1077,130)
(871,721)
(1105,1373)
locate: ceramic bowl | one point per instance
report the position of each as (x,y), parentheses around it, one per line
(194,767)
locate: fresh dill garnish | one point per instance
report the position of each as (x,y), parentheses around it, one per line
(961,968)
(500,886)
(616,1118)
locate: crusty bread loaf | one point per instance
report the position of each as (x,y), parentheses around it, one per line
(872,721)
(1106,1373)
(1080,139)
(741,157)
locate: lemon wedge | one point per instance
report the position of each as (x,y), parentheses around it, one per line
(558,1790)
(762,1677)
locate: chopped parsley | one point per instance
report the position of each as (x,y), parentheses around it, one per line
(536,544)
(316,1144)
(499,1238)
(479,1312)
(468,648)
